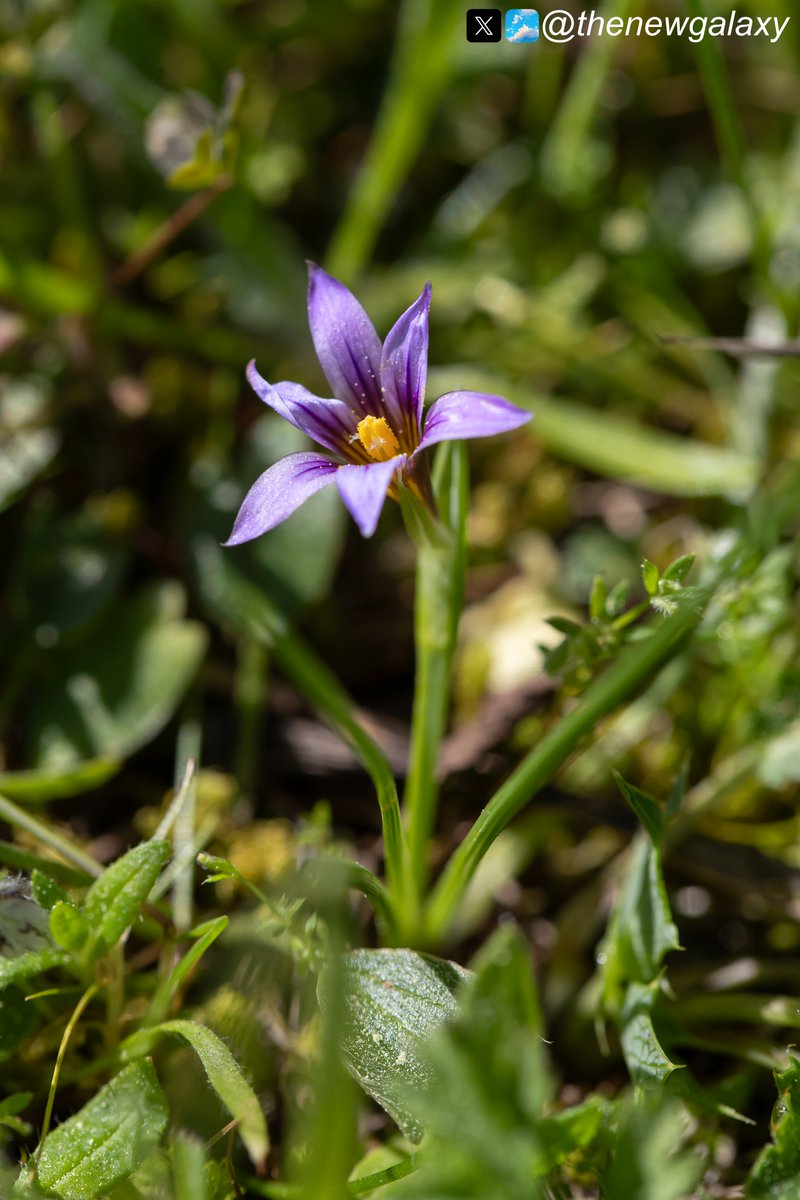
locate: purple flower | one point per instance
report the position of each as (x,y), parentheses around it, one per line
(374,432)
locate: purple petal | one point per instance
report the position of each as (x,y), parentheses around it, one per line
(278,492)
(328,422)
(364,489)
(347,346)
(404,369)
(459,415)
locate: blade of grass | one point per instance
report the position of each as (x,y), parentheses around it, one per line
(421,68)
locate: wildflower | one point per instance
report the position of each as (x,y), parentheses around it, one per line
(374,431)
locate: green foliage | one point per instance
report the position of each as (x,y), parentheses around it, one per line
(641,931)
(488,1109)
(394,1001)
(776,1171)
(575,260)
(115,691)
(647,1160)
(103,1144)
(223,1074)
(112,903)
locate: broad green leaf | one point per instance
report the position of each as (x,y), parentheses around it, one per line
(394,1001)
(776,1172)
(490,1078)
(114,900)
(69,927)
(38,785)
(26,966)
(116,689)
(223,1073)
(647,1062)
(98,1148)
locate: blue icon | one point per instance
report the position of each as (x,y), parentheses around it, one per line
(522,25)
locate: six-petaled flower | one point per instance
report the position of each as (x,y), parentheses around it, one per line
(374,431)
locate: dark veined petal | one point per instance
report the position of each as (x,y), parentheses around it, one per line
(328,422)
(458,415)
(278,492)
(347,346)
(364,488)
(404,369)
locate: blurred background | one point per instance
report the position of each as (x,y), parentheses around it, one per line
(166,169)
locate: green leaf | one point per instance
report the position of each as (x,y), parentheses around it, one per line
(68,927)
(46,891)
(647,1158)
(777,1169)
(206,935)
(223,1074)
(490,1078)
(640,931)
(26,860)
(113,901)
(677,571)
(597,598)
(26,966)
(119,687)
(647,1062)
(98,1148)
(38,785)
(644,806)
(650,577)
(9,1115)
(395,1000)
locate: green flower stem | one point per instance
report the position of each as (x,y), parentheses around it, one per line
(439,598)
(631,670)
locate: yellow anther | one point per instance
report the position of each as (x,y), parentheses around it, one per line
(377,438)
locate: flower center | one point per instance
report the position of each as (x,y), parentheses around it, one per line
(377,438)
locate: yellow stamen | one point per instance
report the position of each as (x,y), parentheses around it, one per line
(377,438)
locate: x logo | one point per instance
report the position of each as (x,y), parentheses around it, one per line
(483,24)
